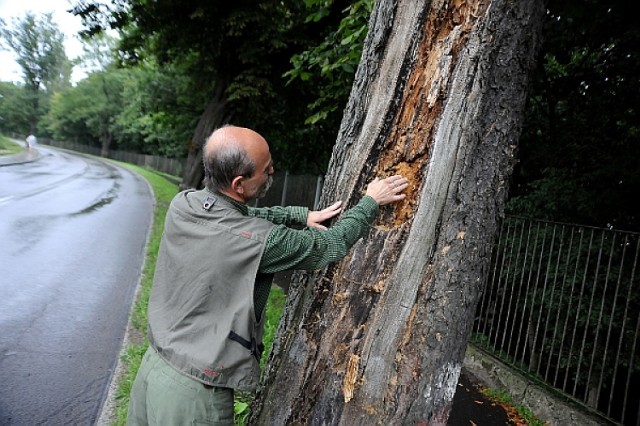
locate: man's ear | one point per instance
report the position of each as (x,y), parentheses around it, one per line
(237,184)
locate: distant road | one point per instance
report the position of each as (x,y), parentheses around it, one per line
(73,232)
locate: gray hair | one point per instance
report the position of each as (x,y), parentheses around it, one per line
(223,164)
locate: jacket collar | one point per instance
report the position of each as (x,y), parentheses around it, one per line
(236,205)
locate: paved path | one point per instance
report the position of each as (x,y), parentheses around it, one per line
(73,236)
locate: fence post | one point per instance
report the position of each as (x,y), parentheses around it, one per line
(283,199)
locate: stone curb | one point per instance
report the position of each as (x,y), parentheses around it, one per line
(552,409)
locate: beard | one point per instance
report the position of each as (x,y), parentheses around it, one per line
(265,188)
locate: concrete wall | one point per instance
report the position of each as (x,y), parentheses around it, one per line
(549,406)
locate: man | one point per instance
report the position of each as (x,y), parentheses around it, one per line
(213,275)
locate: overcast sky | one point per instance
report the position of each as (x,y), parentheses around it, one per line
(68,24)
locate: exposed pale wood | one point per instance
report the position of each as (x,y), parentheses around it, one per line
(379,338)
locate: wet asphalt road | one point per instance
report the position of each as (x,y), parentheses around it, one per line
(72,238)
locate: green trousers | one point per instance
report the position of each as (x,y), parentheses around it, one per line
(162,396)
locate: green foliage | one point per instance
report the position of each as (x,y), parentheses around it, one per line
(554,193)
(332,63)
(88,111)
(143,109)
(275,305)
(13,105)
(236,52)
(241,412)
(9,147)
(160,110)
(39,47)
(99,52)
(580,147)
(132,357)
(233,44)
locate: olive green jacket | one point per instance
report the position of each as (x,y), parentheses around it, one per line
(201,313)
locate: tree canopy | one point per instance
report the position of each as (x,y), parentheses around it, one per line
(39,47)
(285,68)
(580,149)
(241,49)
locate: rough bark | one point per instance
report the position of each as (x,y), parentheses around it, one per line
(215,115)
(379,338)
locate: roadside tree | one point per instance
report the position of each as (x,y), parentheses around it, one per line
(87,112)
(160,110)
(39,47)
(235,53)
(12,115)
(580,146)
(379,338)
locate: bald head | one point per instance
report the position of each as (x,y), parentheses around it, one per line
(232,137)
(231,152)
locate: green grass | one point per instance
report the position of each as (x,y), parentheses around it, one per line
(164,191)
(7,147)
(273,311)
(275,305)
(524,413)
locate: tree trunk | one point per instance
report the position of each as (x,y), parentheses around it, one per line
(380,337)
(105,146)
(215,115)
(35,105)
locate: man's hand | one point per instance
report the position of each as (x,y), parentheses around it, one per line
(383,191)
(387,190)
(315,219)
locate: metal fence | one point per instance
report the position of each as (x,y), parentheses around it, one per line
(562,304)
(293,190)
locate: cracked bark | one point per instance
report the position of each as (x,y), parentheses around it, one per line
(379,337)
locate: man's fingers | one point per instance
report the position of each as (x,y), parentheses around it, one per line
(387,190)
(332,210)
(401,186)
(336,205)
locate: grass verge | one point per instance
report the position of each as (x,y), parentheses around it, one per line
(7,147)
(164,191)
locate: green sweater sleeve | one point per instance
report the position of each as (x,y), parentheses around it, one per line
(290,215)
(311,248)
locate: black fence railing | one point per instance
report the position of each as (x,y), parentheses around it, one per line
(562,303)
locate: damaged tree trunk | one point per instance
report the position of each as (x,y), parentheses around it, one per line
(380,337)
